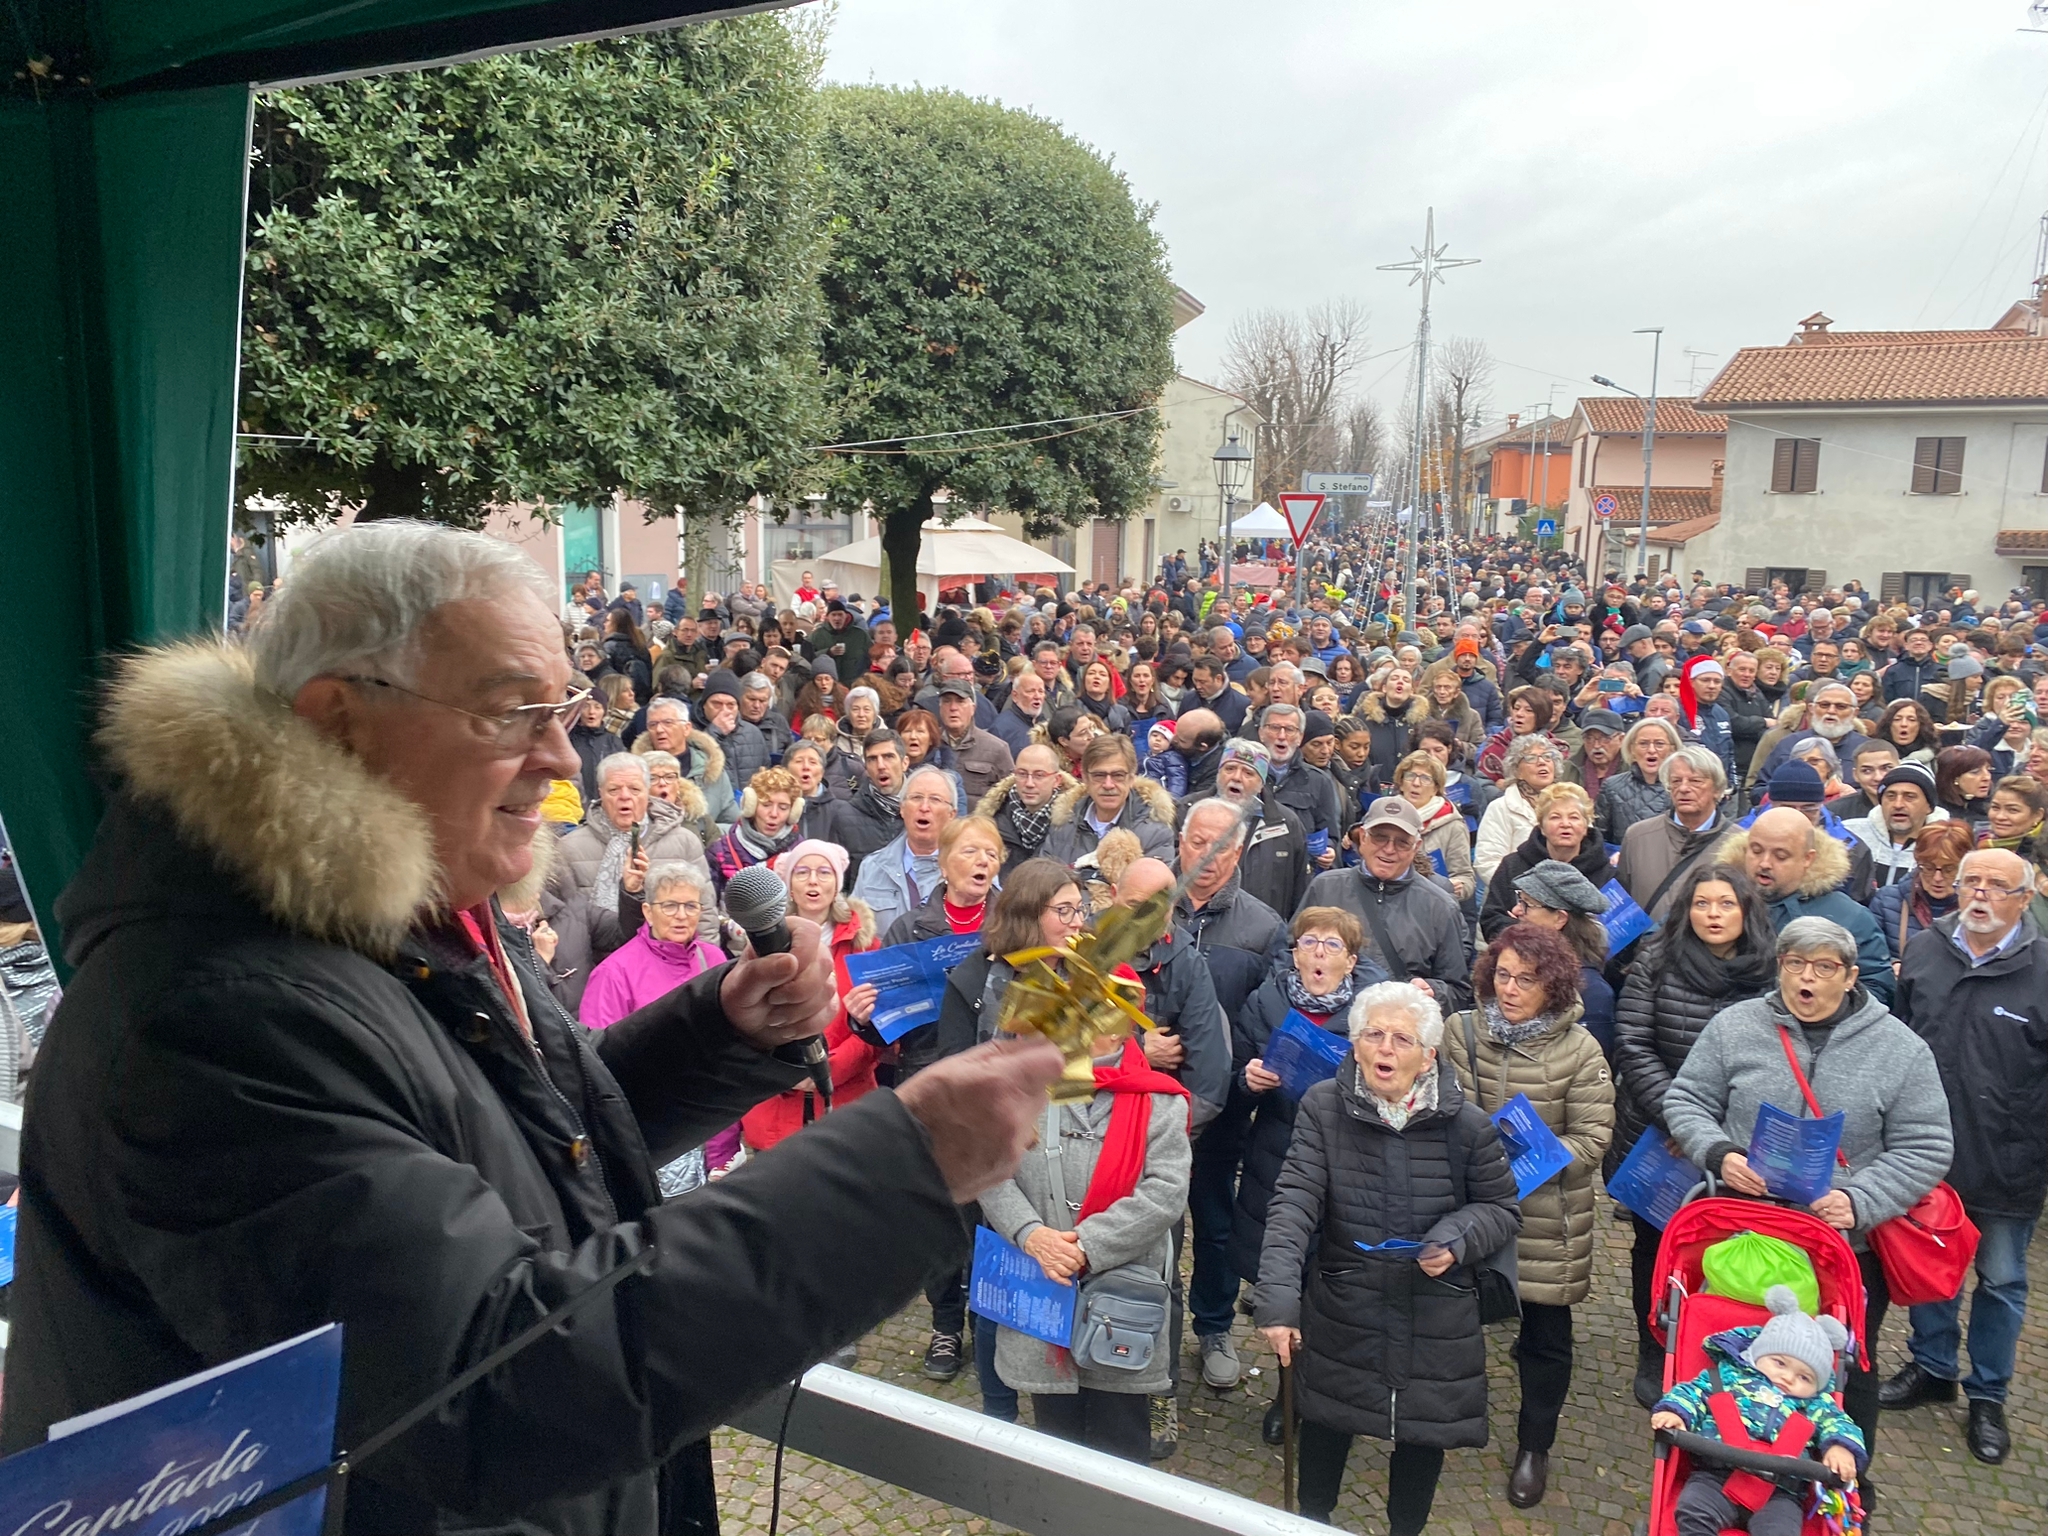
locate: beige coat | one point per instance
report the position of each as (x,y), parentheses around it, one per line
(1567,1081)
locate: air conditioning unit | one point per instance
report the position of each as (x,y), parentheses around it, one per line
(1176,503)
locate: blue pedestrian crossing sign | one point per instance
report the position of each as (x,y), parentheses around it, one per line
(1546,528)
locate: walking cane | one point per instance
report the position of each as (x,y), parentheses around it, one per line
(1287,1437)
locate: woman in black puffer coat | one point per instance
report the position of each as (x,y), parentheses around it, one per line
(1386,1345)
(1715,949)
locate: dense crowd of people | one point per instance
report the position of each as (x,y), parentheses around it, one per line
(1832,808)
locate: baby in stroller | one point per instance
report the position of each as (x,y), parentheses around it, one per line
(1773,1372)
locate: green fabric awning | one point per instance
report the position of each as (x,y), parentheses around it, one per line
(124,142)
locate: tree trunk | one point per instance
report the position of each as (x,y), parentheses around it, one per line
(394,491)
(902,536)
(696,575)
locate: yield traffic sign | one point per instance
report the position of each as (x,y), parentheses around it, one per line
(1300,508)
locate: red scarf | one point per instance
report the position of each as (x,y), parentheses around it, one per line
(1133,1080)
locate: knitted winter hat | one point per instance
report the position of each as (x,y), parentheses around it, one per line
(1915,775)
(1251,753)
(1795,783)
(1790,1331)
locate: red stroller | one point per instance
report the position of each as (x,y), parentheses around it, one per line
(1687,1317)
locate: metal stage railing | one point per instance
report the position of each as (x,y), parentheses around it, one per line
(1003,1471)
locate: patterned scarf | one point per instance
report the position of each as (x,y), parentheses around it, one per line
(604,892)
(759,845)
(1031,825)
(1329,1005)
(1419,1099)
(1504,1033)
(893,804)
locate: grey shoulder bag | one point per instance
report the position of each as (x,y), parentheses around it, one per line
(1120,1313)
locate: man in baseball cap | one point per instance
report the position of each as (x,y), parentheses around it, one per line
(1413,928)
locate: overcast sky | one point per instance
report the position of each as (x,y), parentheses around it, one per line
(1717,170)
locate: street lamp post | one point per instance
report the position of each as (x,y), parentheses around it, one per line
(1233,472)
(1649,444)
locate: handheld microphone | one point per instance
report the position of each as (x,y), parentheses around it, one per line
(758,901)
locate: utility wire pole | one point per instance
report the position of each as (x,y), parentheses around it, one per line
(1649,449)
(1428,266)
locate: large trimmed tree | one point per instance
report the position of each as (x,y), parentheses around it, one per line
(987,270)
(541,278)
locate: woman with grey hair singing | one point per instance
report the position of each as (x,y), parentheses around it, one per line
(1390,1151)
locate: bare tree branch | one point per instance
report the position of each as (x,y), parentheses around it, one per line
(1463,368)
(1294,369)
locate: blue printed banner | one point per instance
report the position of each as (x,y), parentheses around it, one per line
(1795,1157)
(1534,1152)
(910,978)
(190,1451)
(1652,1180)
(1008,1286)
(1301,1054)
(1624,921)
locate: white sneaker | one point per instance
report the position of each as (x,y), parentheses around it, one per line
(1220,1367)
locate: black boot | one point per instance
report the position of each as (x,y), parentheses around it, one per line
(1273,1428)
(1529,1479)
(1989,1440)
(1649,1385)
(1913,1386)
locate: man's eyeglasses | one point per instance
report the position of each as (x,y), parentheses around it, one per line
(1319,944)
(1818,970)
(518,730)
(1988,888)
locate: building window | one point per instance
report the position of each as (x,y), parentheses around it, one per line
(2034,581)
(1795,465)
(1937,466)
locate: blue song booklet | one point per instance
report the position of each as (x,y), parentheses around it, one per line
(1007,1286)
(911,979)
(1392,1248)
(1624,921)
(1795,1156)
(1301,1055)
(190,1451)
(1652,1180)
(1534,1152)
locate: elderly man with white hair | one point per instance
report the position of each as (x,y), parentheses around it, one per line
(304,1074)
(1975,988)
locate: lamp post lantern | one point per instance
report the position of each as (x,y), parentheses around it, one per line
(1233,472)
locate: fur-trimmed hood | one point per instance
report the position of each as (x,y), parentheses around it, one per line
(999,791)
(1158,803)
(321,844)
(1373,710)
(702,745)
(863,923)
(1829,872)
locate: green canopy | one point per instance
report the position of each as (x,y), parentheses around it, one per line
(124,144)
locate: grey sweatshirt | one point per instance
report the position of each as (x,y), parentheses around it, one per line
(1895,1128)
(1135,1229)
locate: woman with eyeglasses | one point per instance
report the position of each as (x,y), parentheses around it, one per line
(1524,1038)
(1857,1059)
(1712,950)
(1386,1344)
(1040,905)
(655,961)
(1326,968)
(1906,906)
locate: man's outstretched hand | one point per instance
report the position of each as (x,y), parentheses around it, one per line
(771,1000)
(981,1108)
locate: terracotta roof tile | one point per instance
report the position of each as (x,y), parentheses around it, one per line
(1668,503)
(2021,541)
(2011,370)
(1884,338)
(1679,533)
(1676,416)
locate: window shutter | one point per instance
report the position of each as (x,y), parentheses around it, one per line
(1816,581)
(1959,579)
(1785,464)
(1755,579)
(2044,474)
(1948,475)
(1926,451)
(1891,586)
(1805,464)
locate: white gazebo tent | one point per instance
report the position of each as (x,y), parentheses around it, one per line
(948,555)
(1262,522)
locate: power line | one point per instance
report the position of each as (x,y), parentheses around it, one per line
(1013,426)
